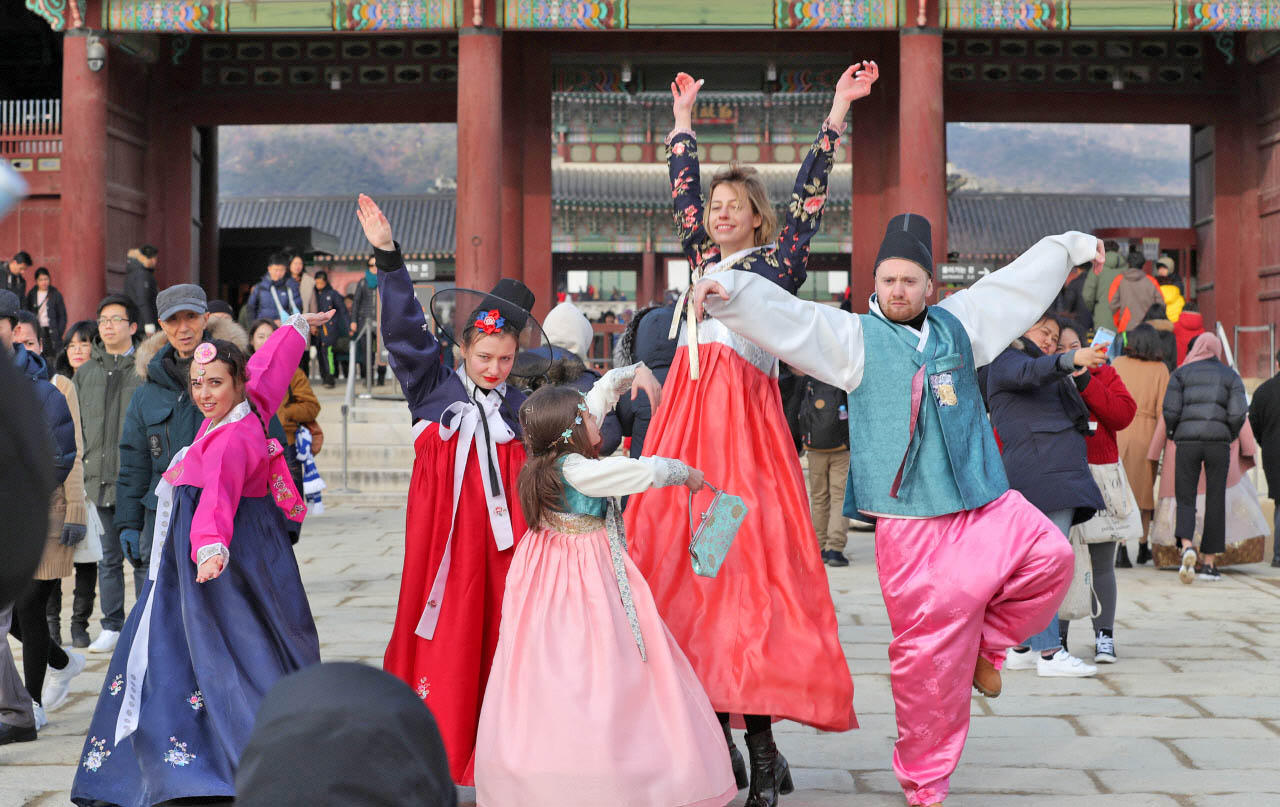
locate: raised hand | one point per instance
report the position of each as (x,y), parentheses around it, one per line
(376,227)
(1087,357)
(854,83)
(684,91)
(1099,258)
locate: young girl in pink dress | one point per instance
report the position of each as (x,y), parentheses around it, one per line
(590,700)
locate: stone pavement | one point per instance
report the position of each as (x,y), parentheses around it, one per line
(1189,716)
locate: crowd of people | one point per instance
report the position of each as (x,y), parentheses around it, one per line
(567,624)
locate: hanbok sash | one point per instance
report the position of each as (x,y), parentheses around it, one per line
(459,422)
(685,301)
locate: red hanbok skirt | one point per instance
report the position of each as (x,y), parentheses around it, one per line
(762,634)
(450,671)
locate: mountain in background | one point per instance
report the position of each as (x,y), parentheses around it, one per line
(1072,158)
(387,159)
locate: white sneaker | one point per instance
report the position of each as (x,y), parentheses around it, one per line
(38,712)
(1013,660)
(1063,665)
(58,682)
(1188,571)
(106,641)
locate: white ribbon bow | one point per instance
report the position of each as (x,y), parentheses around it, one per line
(460,420)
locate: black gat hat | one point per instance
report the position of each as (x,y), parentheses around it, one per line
(909,237)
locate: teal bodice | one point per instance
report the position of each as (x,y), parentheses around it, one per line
(574,501)
(950,463)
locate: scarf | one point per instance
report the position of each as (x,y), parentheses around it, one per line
(312,483)
(371,279)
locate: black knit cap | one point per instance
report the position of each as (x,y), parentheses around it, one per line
(910,238)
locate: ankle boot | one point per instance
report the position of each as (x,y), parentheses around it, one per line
(768,778)
(735,759)
(1122,557)
(1144,553)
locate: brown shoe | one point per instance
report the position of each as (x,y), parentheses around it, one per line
(986,678)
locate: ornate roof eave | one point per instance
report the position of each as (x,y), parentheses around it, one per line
(62,15)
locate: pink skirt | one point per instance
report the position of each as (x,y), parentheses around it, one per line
(572,715)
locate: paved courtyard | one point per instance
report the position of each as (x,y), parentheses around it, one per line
(1190,715)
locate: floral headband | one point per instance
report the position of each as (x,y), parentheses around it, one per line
(567,434)
(492,322)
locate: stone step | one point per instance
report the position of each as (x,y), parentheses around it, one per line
(365,455)
(369,479)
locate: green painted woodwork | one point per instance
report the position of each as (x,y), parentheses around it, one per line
(700,13)
(1110,14)
(280,15)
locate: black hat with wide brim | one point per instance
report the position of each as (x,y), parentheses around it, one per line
(455,310)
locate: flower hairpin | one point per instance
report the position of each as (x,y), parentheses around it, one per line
(205,352)
(491,322)
(567,434)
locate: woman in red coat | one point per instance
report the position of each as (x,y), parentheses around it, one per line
(1111,408)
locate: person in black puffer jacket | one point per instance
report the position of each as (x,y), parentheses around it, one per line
(647,339)
(1204,410)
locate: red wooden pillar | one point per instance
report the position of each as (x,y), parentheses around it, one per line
(535,86)
(83,214)
(922,133)
(208,213)
(646,289)
(480,158)
(513,141)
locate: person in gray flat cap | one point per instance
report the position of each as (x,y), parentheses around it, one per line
(161,418)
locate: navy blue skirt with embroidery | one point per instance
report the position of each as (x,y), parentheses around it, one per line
(215,649)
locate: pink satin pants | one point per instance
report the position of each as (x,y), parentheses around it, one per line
(977,581)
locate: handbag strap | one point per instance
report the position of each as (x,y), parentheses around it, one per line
(692,530)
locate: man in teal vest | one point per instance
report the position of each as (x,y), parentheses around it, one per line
(967,567)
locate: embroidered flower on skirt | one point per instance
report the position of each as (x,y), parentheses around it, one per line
(196,700)
(424,689)
(117,685)
(178,756)
(94,759)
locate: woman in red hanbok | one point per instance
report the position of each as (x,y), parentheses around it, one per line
(463,514)
(762,634)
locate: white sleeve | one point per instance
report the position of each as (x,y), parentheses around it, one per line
(300,325)
(622,476)
(1001,306)
(819,340)
(604,394)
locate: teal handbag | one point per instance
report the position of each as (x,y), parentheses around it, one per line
(713,538)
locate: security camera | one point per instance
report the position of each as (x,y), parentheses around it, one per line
(95,54)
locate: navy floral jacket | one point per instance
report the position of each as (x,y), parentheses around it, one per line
(785,261)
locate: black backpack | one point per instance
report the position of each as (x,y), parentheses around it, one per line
(824,416)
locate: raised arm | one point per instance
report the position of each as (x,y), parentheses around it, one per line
(819,340)
(272,367)
(604,394)
(686,180)
(788,267)
(1003,305)
(414,350)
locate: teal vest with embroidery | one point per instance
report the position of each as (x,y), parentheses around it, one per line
(951,462)
(575,501)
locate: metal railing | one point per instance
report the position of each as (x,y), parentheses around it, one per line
(30,128)
(349,405)
(1239,329)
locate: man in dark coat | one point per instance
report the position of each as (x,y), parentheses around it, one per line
(105,385)
(277,296)
(140,284)
(161,418)
(1264,417)
(14,279)
(326,339)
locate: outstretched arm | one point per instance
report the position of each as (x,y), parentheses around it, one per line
(272,367)
(623,476)
(414,350)
(819,340)
(1001,306)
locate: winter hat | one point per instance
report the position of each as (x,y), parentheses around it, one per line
(567,327)
(909,237)
(1167,263)
(182,297)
